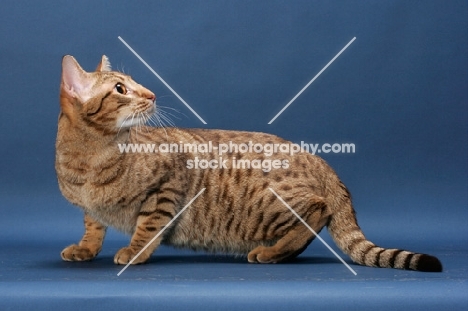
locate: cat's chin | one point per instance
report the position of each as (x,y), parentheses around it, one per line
(129,122)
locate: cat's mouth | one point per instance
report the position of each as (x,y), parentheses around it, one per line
(151,109)
(137,118)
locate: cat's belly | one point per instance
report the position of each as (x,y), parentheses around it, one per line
(122,220)
(184,236)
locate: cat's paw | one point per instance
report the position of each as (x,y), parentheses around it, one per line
(126,254)
(262,254)
(77,253)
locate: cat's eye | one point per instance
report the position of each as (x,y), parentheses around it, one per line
(119,87)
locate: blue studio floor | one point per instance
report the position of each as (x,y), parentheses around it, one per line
(32,275)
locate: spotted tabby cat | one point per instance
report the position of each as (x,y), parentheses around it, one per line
(140,193)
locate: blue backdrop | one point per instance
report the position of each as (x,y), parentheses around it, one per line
(398,92)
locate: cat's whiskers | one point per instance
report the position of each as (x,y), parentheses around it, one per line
(161,110)
(133,117)
(121,124)
(135,125)
(157,121)
(131,122)
(147,117)
(166,119)
(142,119)
(163,126)
(167,116)
(160,120)
(153,121)
(154,118)
(170,108)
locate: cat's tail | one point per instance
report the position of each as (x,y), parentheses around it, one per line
(350,239)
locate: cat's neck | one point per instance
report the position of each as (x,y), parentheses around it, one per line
(78,140)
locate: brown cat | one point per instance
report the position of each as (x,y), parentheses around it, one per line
(140,193)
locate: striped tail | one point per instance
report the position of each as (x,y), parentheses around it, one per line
(348,236)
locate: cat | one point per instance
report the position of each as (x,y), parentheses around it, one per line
(237,213)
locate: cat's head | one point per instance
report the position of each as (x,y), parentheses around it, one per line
(107,100)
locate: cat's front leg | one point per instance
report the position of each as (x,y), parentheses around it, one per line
(91,243)
(155,214)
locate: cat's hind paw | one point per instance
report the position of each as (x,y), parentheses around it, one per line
(126,254)
(262,254)
(77,253)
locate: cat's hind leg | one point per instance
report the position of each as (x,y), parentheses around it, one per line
(91,243)
(296,239)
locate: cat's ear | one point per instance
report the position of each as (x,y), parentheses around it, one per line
(104,65)
(76,82)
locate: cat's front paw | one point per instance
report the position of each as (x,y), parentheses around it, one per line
(126,254)
(77,253)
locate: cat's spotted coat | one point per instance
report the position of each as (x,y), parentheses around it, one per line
(139,193)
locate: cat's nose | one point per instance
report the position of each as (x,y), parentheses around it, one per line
(151,96)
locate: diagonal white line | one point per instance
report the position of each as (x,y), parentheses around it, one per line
(160,232)
(313,231)
(161,79)
(313,79)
